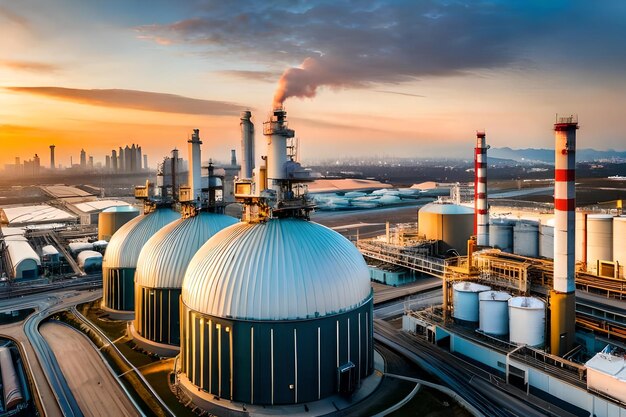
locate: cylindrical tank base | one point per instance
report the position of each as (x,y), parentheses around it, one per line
(562,322)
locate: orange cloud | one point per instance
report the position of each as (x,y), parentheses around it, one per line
(28,66)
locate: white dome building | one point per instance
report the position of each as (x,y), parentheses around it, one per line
(120,258)
(278,312)
(159,276)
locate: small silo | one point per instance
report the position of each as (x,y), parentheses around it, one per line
(619,243)
(546,239)
(120,258)
(501,234)
(452,225)
(465,301)
(89,261)
(599,240)
(286,306)
(527,321)
(161,267)
(494,312)
(113,218)
(526,238)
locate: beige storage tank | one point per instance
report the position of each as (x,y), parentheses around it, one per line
(527,321)
(599,240)
(619,244)
(451,224)
(113,218)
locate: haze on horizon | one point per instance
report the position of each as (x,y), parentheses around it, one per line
(398,78)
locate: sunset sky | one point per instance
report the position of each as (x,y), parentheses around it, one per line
(414,78)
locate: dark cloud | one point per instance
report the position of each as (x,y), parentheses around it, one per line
(137,100)
(13,17)
(399,93)
(364,43)
(264,76)
(28,66)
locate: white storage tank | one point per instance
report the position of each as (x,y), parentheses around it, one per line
(619,243)
(501,234)
(546,240)
(580,234)
(494,312)
(527,321)
(465,300)
(526,238)
(599,240)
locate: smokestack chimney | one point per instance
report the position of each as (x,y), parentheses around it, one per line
(52,156)
(233,157)
(481,210)
(195,169)
(247,145)
(174,162)
(562,296)
(276,132)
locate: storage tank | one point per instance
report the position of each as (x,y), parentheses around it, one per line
(501,234)
(113,218)
(89,260)
(580,235)
(465,300)
(527,321)
(288,301)
(120,259)
(619,243)
(546,240)
(493,310)
(451,224)
(599,240)
(526,238)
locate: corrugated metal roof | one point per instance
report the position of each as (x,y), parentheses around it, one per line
(99,205)
(125,245)
(281,269)
(164,258)
(446,209)
(19,251)
(49,250)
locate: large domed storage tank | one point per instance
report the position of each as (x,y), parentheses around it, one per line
(619,243)
(120,259)
(599,240)
(272,312)
(159,276)
(527,321)
(465,300)
(111,219)
(501,234)
(493,314)
(546,239)
(526,238)
(451,224)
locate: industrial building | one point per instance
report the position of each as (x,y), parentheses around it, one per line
(164,259)
(275,309)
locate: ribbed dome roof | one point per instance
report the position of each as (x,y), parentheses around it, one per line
(281,269)
(164,258)
(125,245)
(445,208)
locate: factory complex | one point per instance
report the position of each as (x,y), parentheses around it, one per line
(265,311)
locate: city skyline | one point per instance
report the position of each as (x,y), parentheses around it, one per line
(410,79)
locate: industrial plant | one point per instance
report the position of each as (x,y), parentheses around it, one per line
(221,275)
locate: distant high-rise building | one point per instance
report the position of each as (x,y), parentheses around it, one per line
(83,159)
(128,165)
(145,162)
(90,162)
(114,160)
(133,158)
(52,156)
(120,160)
(107,162)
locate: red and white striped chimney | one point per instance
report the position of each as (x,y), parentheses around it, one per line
(565,204)
(481,211)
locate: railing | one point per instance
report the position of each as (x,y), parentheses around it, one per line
(414,261)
